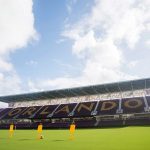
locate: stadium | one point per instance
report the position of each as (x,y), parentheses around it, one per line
(74,74)
(118,110)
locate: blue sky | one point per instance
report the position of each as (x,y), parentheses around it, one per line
(46,51)
(48,57)
(53,44)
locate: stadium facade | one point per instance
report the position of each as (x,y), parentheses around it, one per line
(114,104)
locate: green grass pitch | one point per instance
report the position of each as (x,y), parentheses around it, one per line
(126,138)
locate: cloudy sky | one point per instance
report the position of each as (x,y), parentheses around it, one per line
(53,44)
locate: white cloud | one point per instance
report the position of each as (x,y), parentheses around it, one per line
(5,65)
(147,43)
(97,36)
(97,40)
(86,41)
(10,83)
(16,31)
(132,64)
(52,84)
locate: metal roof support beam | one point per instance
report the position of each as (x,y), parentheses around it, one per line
(108,92)
(50,96)
(81,91)
(95,90)
(145,89)
(42,97)
(21,99)
(61,94)
(120,90)
(106,88)
(132,89)
(73,93)
(84,92)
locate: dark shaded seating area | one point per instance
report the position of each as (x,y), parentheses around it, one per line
(84,109)
(81,124)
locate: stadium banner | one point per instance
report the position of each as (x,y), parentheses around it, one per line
(4,112)
(64,110)
(29,112)
(14,112)
(45,111)
(85,109)
(133,105)
(108,107)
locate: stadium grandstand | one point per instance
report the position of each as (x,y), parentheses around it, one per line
(106,105)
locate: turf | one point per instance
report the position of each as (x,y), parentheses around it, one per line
(127,138)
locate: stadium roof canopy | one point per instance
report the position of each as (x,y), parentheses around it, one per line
(80,91)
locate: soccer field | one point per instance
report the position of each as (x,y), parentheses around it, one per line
(127,138)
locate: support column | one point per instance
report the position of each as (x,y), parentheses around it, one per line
(4,114)
(36,112)
(50,115)
(146,108)
(119,110)
(16,117)
(94,112)
(72,113)
(97,123)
